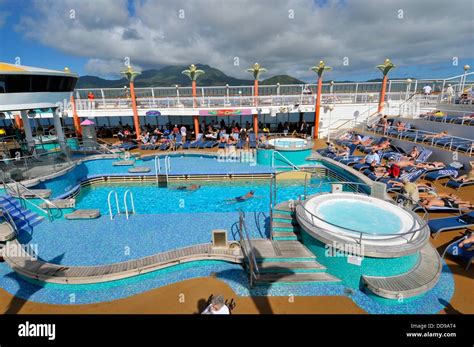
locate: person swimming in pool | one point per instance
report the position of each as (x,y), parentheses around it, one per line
(242,198)
(191,188)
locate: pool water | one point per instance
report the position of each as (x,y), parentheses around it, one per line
(288,143)
(360,216)
(210,197)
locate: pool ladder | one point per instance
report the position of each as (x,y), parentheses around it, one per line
(125,195)
(167,166)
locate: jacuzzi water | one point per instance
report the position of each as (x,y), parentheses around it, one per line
(360,216)
(288,142)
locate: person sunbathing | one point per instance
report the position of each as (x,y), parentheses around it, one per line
(449,202)
(469,177)
(440,135)
(467,241)
(400,126)
(431,166)
(414,153)
(343,151)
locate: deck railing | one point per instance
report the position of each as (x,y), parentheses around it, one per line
(247,249)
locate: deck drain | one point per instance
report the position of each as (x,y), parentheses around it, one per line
(348,291)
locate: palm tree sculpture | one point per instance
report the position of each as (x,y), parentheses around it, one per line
(256,70)
(193,73)
(130,75)
(384,68)
(319,69)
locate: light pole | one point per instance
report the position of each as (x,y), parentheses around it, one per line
(130,75)
(408,88)
(177,94)
(240,98)
(466,69)
(330,108)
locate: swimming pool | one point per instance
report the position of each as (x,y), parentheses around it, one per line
(166,219)
(212,196)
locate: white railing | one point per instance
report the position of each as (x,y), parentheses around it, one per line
(167,167)
(274,153)
(110,204)
(157,167)
(128,193)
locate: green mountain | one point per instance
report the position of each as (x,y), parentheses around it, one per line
(282,79)
(165,77)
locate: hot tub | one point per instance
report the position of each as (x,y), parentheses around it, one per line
(291,151)
(384,229)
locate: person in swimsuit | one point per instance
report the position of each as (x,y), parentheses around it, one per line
(191,188)
(469,177)
(245,197)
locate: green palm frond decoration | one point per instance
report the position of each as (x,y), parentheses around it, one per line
(256,70)
(386,67)
(130,74)
(320,68)
(193,72)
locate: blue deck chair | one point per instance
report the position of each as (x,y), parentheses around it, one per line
(464,253)
(438,225)
(351,160)
(452,170)
(424,155)
(412,176)
(458,185)
(197,142)
(360,166)
(128,146)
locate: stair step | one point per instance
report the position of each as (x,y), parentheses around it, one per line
(311,277)
(286,238)
(277,267)
(278,230)
(285,216)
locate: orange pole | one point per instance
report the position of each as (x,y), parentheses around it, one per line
(382,94)
(136,121)
(193,84)
(196,125)
(18,122)
(76,120)
(317,108)
(255,116)
(195,118)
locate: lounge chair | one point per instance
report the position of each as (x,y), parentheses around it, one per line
(458,185)
(464,253)
(438,225)
(452,170)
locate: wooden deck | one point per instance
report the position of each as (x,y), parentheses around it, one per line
(6,231)
(23,263)
(420,279)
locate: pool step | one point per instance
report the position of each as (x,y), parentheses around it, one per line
(311,277)
(290,267)
(285,207)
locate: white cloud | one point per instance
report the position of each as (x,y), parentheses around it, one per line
(215,32)
(100,67)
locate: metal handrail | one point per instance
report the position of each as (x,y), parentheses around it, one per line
(167,167)
(128,192)
(110,204)
(48,202)
(418,132)
(294,167)
(247,248)
(12,222)
(157,167)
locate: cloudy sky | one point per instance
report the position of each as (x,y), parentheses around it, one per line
(424,38)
